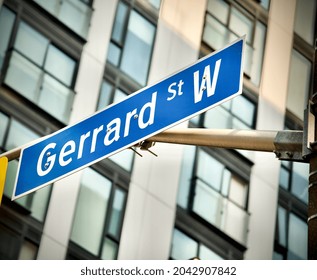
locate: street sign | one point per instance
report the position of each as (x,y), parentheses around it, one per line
(199,87)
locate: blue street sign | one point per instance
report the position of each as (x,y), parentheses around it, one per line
(201,86)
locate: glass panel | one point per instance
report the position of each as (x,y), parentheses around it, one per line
(28,75)
(219,9)
(284,178)
(73,13)
(209,170)
(31,43)
(238,191)
(105,95)
(183,247)
(215,34)
(244,109)
(207,254)
(56,99)
(91,210)
(114,54)
(300,180)
(218,34)
(220,212)
(297,238)
(234,221)
(186,176)
(226,182)
(137,48)
(282,222)
(19,135)
(285,163)
(119,95)
(124,159)
(237,124)
(117,213)
(218,117)
(60,65)
(119,24)
(277,256)
(4,121)
(109,250)
(305,19)
(76,15)
(265,4)
(6,23)
(35,202)
(40,202)
(52,6)
(207,203)
(298,84)
(241,25)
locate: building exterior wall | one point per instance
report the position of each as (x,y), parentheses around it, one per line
(264,182)
(152,206)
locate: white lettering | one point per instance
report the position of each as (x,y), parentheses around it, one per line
(94,138)
(110,130)
(172,91)
(151,106)
(49,161)
(64,153)
(211,87)
(127,122)
(81,144)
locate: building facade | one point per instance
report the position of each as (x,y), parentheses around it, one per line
(61,61)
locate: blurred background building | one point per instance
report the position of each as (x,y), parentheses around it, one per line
(62,60)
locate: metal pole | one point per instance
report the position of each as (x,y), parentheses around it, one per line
(287,145)
(279,142)
(220,138)
(312,188)
(12,154)
(312,208)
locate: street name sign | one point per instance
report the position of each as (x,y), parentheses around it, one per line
(153,109)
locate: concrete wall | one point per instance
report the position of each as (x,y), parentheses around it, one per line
(271,109)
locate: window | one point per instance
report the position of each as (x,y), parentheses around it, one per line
(291,236)
(226,22)
(7,18)
(185,248)
(294,178)
(238,113)
(305,17)
(14,134)
(45,73)
(99,215)
(213,192)
(131,43)
(75,14)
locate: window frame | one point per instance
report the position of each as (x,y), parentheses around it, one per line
(116,71)
(27,11)
(75,251)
